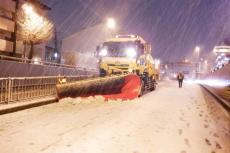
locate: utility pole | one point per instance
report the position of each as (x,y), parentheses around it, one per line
(56,50)
(197,51)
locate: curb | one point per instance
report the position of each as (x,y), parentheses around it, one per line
(27,105)
(222,101)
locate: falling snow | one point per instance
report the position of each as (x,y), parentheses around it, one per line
(173,27)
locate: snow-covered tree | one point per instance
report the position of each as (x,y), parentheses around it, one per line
(33,27)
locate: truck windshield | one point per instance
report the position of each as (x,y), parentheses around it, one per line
(121,49)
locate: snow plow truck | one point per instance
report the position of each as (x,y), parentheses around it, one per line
(126,69)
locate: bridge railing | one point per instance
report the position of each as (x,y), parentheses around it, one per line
(25,88)
(32,61)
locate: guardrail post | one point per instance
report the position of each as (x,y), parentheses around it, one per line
(8,90)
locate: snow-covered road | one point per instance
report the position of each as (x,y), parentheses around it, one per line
(168,120)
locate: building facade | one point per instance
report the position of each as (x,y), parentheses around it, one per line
(10,43)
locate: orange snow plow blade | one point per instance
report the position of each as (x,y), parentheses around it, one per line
(124,87)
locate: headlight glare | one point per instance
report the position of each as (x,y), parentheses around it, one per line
(131,52)
(103,52)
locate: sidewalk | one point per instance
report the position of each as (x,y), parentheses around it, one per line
(17,106)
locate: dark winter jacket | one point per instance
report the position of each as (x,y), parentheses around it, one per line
(180,76)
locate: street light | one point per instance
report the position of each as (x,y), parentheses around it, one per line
(197,49)
(34,28)
(157,63)
(55,55)
(27,8)
(33,20)
(111,24)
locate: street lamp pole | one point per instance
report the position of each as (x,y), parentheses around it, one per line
(197,51)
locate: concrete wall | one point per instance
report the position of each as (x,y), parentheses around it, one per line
(15,69)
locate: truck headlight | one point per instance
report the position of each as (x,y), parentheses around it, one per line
(103,52)
(131,52)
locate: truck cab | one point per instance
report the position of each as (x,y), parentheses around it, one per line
(128,54)
(125,54)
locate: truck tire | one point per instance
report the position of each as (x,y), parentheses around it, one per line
(153,85)
(142,88)
(102,73)
(153,88)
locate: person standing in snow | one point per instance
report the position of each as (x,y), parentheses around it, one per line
(180,78)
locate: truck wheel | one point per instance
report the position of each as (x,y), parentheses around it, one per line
(142,88)
(102,73)
(153,88)
(153,85)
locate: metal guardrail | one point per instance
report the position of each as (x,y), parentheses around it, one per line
(25,88)
(24,60)
(222,95)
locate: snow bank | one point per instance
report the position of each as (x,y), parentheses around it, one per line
(94,99)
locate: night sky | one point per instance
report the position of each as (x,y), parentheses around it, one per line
(173,27)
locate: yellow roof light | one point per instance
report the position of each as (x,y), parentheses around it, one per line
(133,36)
(126,36)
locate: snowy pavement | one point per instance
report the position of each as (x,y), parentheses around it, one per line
(168,120)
